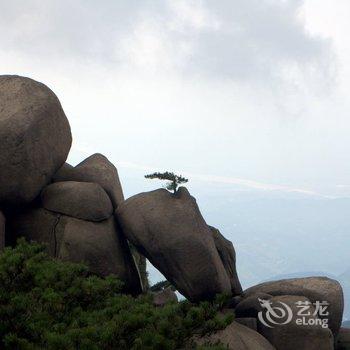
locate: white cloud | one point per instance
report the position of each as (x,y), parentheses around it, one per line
(241,88)
(240,40)
(191,14)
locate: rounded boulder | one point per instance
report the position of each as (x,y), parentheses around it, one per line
(235,337)
(316,289)
(96,168)
(81,200)
(170,231)
(35,138)
(293,325)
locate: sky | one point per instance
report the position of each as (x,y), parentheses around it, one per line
(245,92)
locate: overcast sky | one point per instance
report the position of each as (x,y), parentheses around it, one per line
(253,92)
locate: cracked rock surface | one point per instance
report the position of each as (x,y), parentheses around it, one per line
(100,245)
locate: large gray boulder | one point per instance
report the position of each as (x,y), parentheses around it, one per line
(293,331)
(314,288)
(251,306)
(2,231)
(82,200)
(96,168)
(170,231)
(228,258)
(35,138)
(250,322)
(37,225)
(100,245)
(63,173)
(236,337)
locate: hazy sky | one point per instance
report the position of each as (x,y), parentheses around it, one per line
(253,92)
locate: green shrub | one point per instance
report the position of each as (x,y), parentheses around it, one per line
(50,304)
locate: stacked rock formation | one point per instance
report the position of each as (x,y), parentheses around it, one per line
(80,214)
(70,209)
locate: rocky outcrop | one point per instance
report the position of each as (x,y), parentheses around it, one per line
(287,334)
(316,289)
(35,138)
(249,322)
(37,225)
(73,217)
(171,232)
(82,217)
(228,258)
(2,231)
(63,173)
(236,337)
(251,306)
(97,169)
(82,200)
(100,245)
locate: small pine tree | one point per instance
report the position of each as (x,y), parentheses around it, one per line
(173,180)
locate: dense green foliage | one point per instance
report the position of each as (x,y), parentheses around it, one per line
(49,304)
(173,180)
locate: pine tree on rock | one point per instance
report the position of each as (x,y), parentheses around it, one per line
(173,180)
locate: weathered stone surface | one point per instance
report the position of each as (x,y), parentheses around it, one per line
(250,306)
(314,288)
(287,334)
(233,302)
(171,232)
(98,244)
(343,339)
(237,337)
(82,200)
(38,225)
(96,168)
(63,173)
(35,138)
(249,322)
(228,258)
(164,296)
(2,231)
